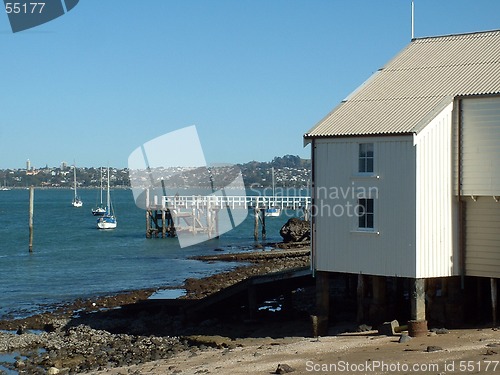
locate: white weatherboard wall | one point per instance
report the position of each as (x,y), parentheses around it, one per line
(482,237)
(436,205)
(338,247)
(480,184)
(480,151)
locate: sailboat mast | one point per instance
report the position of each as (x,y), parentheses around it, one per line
(272,172)
(74,179)
(108,197)
(101,187)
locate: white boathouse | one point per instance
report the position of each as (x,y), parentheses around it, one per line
(406,170)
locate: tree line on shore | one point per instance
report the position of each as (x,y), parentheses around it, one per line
(290,171)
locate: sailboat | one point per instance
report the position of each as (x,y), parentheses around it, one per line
(77,202)
(273,211)
(100,209)
(108,220)
(5,187)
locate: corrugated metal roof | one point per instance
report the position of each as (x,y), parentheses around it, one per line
(396,98)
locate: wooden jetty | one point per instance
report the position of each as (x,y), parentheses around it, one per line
(168,215)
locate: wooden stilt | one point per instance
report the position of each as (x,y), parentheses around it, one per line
(379,293)
(306,213)
(148,223)
(320,321)
(323,293)
(210,225)
(256,224)
(417,326)
(493,285)
(418,299)
(193,213)
(163,223)
(360,293)
(148,216)
(216,212)
(263,212)
(479,298)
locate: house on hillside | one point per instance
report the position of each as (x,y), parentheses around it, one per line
(406,170)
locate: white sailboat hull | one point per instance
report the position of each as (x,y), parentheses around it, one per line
(273,212)
(102,224)
(99,211)
(77,203)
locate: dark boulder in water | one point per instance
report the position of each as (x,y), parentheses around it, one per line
(296,230)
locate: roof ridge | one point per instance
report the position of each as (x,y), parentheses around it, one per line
(395,98)
(478,34)
(412,84)
(440,66)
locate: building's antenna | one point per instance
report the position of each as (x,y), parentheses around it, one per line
(412,20)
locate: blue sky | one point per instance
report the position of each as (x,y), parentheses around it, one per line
(252,75)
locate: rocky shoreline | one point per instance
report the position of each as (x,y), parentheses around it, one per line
(114,331)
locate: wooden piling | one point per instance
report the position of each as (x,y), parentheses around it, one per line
(263,212)
(256,224)
(148,216)
(320,321)
(163,223)
(379,298)
(31,212)
(417,326)
(493,285)
(360,294)
(323,293)
(305,210)
(418,299)
(216,223)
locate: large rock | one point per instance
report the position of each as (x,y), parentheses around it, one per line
(296,230)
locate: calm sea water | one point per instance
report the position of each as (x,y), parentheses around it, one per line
(72,259)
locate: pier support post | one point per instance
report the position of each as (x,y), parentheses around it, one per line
(379,303)
(306,213)
(216,212)
(360,294)
(31,212)
(163,222)
(148,223)
(418,299)
(256,223)
(210,226)
(320,322)
(148,214)
(493,286)
(323,293)
(417,326)
(263,212)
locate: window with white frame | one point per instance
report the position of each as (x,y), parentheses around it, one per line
(366,213)
(366,158)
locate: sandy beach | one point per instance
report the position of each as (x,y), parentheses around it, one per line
(472,351)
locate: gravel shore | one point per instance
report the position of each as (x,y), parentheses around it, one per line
(113,332)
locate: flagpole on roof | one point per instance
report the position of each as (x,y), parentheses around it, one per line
(412,19)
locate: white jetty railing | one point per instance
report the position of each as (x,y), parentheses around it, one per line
(236,201)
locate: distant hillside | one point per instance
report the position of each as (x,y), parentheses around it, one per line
(290,171)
